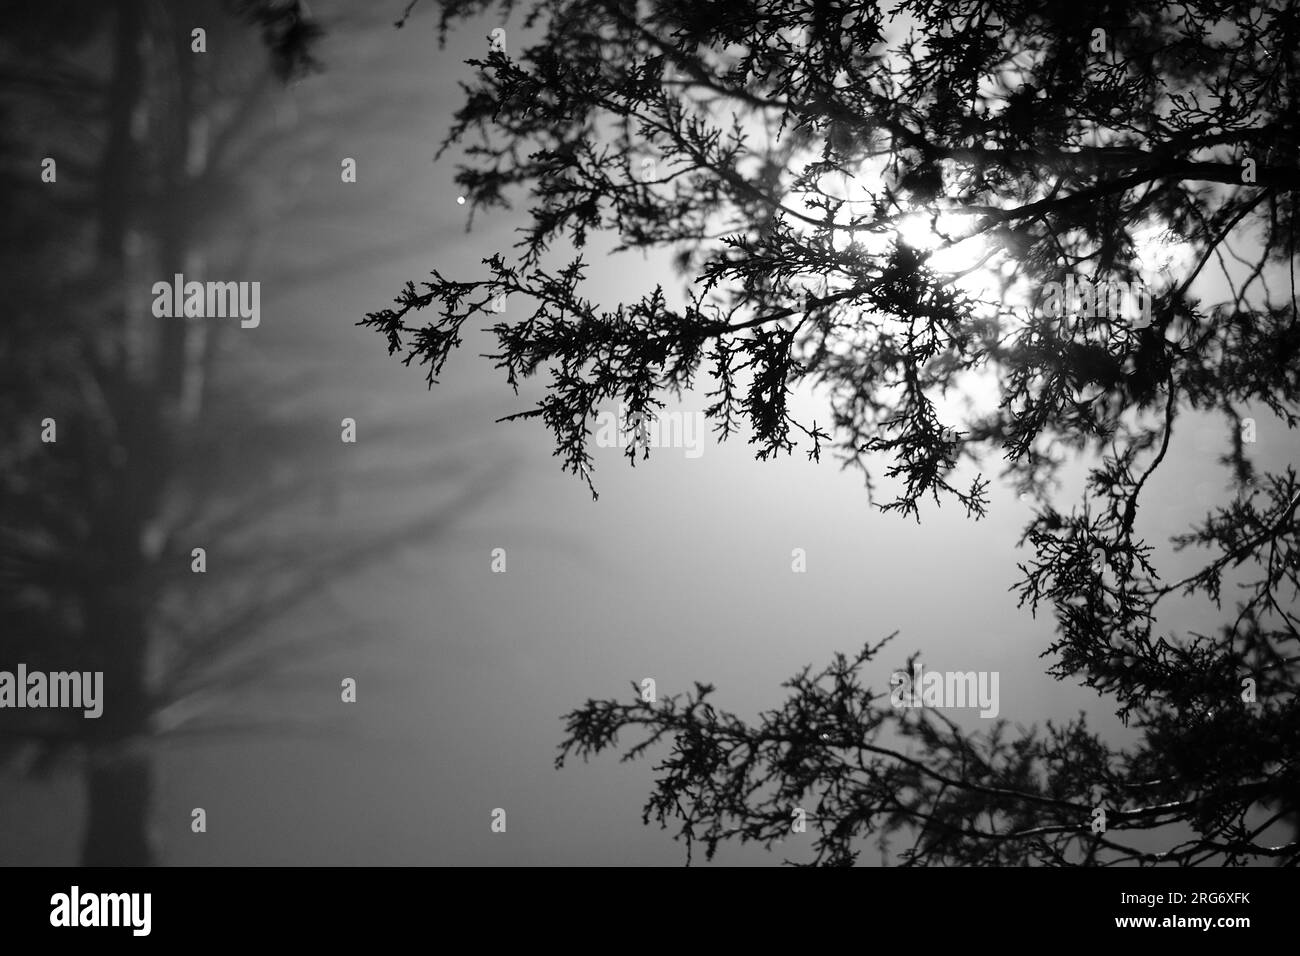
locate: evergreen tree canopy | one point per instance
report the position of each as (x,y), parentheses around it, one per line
(875,200)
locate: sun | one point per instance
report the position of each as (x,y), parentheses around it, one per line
(1158,250)
(917,229)
(953,246)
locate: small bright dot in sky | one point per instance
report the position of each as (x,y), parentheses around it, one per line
(460,200)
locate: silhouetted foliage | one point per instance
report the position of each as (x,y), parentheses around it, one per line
(782,150)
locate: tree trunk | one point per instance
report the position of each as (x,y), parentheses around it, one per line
(118,775)
(122,493)
(119,789)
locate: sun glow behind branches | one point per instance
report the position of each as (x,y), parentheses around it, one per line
(952,250)
(869,215)
(947,237)
(1160,252)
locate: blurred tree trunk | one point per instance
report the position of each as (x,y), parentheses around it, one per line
(96,533)
(123,496)
(118,772)
(118,794)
